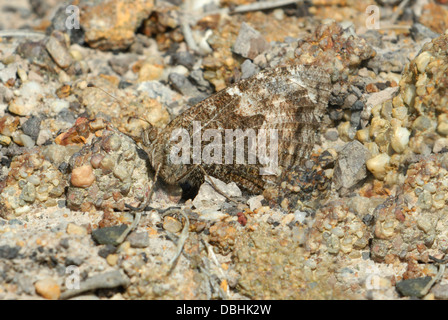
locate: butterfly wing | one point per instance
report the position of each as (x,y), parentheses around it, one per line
(287,100)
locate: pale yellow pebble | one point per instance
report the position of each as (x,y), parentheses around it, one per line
(125,247)
(376,110)
(112,259)
(378,165)
(76,55)
(48,289)
(63,77)
(400,113)
(373,148)
(22,210)
(397,101)
(22,74)
(172,225)
(409,95)
(82,85)
(149,72)
(377,126)
(346,132)
(442,124)
(363,135)
(400,139)
(395,123)
(18,107)
(440,144)
(422,61)
(5,140)
(74,229)
(287,219)
(17,138)
(83,176)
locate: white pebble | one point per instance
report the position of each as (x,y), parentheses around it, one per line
(59,105)
(377,165)
(422,61)
(300,216)
(400,139)
(31,89)
(27,141)
(255,202)
(33,179)
(21,210)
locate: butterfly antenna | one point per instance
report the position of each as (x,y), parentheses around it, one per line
(91,85)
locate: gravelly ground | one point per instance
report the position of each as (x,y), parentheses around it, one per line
(363,218)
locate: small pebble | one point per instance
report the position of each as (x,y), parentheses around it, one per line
(8,252)
(299,216)
(249,42)
(22,74)
(440,291)
(112,259)
(412,287)
(27,141)
(184,58)
(248,69)
(58,50)
(5,140)
(83,176)
(58,105)
(108,235)
(331,135)
(76,230)
(20,107)
(400,139)
(48,288)
(377,165)
(73,261)
(172,225)
(15,222)
(422,61)
(31,127)
(65,243)
(107,250)
(255,202)
(138,239)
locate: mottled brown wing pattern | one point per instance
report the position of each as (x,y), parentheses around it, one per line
(290,99)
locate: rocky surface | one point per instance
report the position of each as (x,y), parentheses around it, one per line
(362,218)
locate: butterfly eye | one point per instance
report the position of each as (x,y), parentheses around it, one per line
(149,135)
(153,133)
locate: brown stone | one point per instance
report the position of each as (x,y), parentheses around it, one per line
(83,176)
(111,25)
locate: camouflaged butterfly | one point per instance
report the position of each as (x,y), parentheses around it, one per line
(288,101)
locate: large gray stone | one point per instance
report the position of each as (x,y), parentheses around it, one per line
(249,42)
